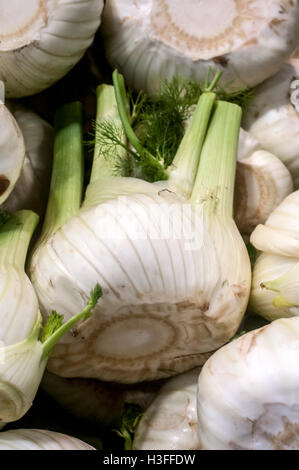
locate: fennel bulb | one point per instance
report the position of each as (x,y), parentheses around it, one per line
(150,40)
(39,439)
(170,423)
(42,41)
(12,152)
(31,189)
(273,117)
(171,296)
(275,275)
(248,391)
(23,356)
(262,183)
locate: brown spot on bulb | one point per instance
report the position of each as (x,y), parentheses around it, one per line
(288,438)
(4,184)
(221,60)
(276,22)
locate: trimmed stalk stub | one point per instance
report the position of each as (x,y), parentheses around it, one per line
(39,44)
(171,295)
(248,391)
(152,40)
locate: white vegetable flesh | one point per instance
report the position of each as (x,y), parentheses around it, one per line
(31,189)
(170,423)
(248,391)
(41,40)
(262,183)
(273,117)
(152,40)
(39,439)
(12,152)
(275,291)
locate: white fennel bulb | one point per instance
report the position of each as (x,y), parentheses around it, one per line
(275,291)
(106,400)
(248,391)
(23,356)
(171,295)
(152,40)
(170,423)
(31,189)
(248,144)
(12,152)
(41,42)
(262,182)
(40,439)
(273,116)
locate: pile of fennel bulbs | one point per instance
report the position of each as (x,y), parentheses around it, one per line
(169,299)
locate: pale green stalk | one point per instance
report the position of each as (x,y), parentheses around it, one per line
(145,155)
(67,173)
(184,167)
(215,180)
(15,236)
(103,163)
(50,342)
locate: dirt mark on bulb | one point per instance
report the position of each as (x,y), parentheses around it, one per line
(4,184)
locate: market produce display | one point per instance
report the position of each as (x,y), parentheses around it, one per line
(149,225)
